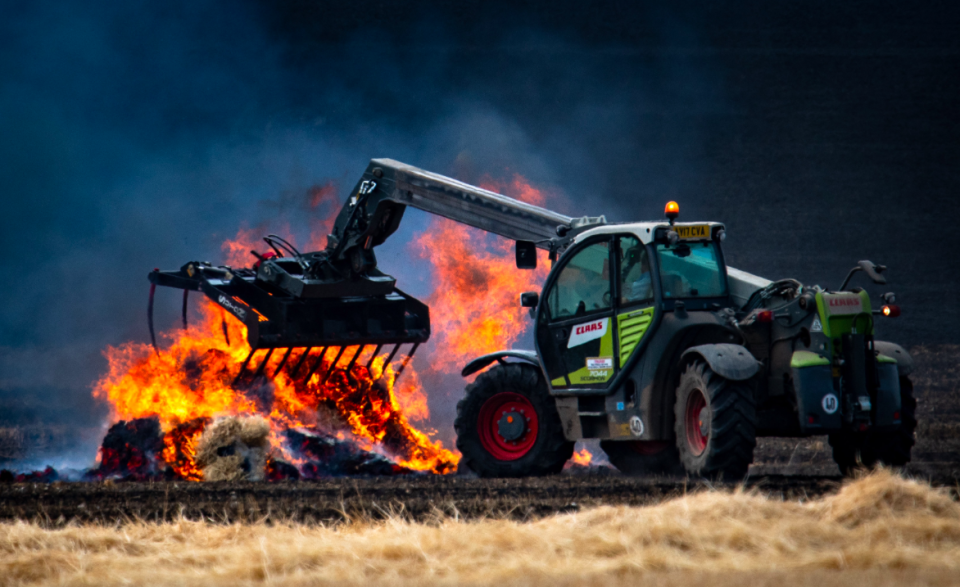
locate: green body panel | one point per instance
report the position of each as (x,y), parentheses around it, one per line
(631,327)
(801,359)
(836,322)
(585,376)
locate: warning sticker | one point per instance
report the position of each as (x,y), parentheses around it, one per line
(599,362)
(830,403)
(816,326)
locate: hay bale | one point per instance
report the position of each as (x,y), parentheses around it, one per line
(234,449)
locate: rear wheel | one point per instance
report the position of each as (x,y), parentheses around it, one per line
(715,424)
(508,425)
(856,450)
(643,457)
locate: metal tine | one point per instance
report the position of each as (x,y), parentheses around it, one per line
(283,361)
(243,367)
(333,365)
(153,336)
(387,362)
(263,365)
(374,355)
(405,362)
(316,365)
(186,293)
(355,357)
(223,325)
(300,361)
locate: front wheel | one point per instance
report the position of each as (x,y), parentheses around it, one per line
(508,425)
(715,424)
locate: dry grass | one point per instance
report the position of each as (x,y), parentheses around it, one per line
(882,529)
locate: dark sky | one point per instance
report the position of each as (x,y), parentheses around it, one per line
(142,134)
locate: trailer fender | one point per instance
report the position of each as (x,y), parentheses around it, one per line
(895,352)
(499,356)
(730,361)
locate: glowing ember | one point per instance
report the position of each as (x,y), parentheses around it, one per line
(582,457)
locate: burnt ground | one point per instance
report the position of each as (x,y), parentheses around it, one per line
(789,468)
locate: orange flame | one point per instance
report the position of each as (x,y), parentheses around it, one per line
(475,309)
(582,457)
(475,306)
(192,378)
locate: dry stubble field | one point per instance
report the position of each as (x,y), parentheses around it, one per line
(794,524)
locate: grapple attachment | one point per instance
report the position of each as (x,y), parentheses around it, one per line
(279,320)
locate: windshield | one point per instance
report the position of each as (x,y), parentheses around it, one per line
(691,270)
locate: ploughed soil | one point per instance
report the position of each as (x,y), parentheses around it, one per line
(788,468)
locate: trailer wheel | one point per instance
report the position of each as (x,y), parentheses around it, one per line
(856,450)
(508,425)
(643,457)
(715,424)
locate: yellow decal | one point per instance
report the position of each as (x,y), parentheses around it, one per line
(697,231)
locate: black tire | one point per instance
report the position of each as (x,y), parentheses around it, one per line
(728,417)
(637,458)
(865,450)
(547,452)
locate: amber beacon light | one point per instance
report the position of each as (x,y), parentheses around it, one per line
(672,210)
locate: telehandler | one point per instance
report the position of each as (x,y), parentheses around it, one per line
(644,338)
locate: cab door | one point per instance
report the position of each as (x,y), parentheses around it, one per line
(635,296)
(576,334)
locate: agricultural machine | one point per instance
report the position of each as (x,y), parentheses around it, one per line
(644,338)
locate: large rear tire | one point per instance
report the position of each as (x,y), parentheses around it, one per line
(508,425)
(643,458)
(715,424)
(865,450)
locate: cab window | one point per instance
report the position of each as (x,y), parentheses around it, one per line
(691,270)
(583,285)
(636,284)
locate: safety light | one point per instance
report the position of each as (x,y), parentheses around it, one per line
(890,310)
(671,211)
(764,316)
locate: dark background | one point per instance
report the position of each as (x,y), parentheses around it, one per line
(144,134)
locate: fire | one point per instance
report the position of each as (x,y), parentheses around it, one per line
(475,308)
(582,457)
(347,393)
(192,381)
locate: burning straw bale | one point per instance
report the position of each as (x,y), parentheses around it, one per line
(234,449)
(880,528)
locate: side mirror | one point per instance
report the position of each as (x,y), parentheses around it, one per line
(529,299)
(873,271)
(526,255)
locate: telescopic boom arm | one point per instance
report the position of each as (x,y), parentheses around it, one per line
(387,187)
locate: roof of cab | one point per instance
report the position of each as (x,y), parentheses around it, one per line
(645,231)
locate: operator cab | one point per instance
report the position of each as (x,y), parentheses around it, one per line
(610,288)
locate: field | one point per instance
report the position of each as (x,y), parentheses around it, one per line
(794,521)
(880,528)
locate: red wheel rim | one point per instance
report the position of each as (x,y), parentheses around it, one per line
(697,422)
(499,409)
